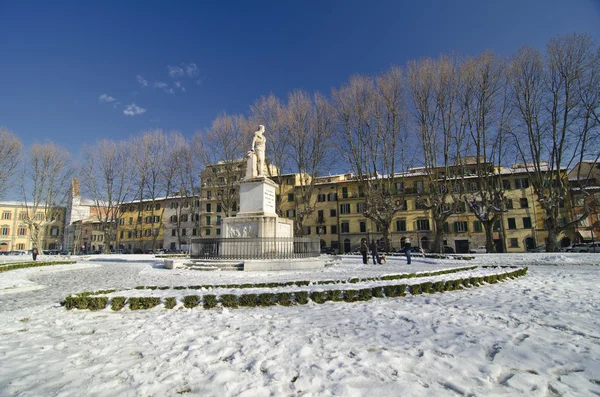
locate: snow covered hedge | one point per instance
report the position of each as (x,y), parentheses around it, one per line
(23,265)
(209,301)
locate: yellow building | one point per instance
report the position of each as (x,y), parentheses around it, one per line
(140,226)
(15,234)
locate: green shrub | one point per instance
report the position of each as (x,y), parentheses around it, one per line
(449,285)
(165,287)
(209,301)
(377,292)
(301,297)
(426,287)
(415,289)
(146,302)
(438,286)
(248,300)
(170,302)
(365,294)
(318,296)
(190,301)
(266,299)
(354,280)
(229,300)
(334,295)
(117,303)
(390,291)
(284,299)
(401,289)
(179,287)
(140,287)
(350,295)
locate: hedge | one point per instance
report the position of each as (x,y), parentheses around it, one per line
(85,301)
(14,266)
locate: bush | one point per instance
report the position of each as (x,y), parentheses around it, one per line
(190,301)
(377,292)
(284,299)
(438,286)
(170,302)
(146,302)
(426,287)
(266,299)
(318,296)
(301,297)
(229,300)
(415,289)
(248,300)
(365,294)
(209,301)
(334,295)
(350,295)
(117,303)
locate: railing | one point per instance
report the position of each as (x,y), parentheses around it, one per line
(255,248)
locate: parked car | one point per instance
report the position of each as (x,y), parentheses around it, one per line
(148,251)
(448,249)
(161,251)
(579,247)
(328,251)
(413,250)
(594,247)
(479,250)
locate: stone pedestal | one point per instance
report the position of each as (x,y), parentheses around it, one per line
(257,219)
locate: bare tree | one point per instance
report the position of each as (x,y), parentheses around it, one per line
(371,116)
(484,97)
(221,149)
(553,125)
(309,126)
(440,124)
(46,174)
(10,157)
(105,179)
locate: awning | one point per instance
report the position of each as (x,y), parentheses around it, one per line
(586,235)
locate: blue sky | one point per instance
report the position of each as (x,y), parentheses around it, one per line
(76,71)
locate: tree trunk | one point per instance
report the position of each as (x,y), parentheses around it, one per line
(489,236)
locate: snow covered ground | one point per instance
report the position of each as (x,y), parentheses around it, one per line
(538,335)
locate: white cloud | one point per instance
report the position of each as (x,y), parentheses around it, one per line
(160,84)
(180,86)
(184,70)
(143,82)
(133,110)
(104,98)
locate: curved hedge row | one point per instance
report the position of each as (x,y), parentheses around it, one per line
(210,301)
(306,283)
(23,265)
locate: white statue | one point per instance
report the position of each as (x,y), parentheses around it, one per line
(256,166)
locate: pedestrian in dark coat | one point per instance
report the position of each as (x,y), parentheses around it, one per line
(374,252)
(364,250)
(407,249)
(34,253)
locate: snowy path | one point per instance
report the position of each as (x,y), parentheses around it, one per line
(534,336)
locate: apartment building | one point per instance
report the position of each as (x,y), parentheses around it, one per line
(15,234)
(140,226)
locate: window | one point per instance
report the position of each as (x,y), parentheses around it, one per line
(209,195)
(306,230)
(477,227)
(22,231)
(497,225)
(208,207)
(219,207)
(23,216)
(157,206)
(521,183)
(399,187)
(511,223)
(446,228)
(54,231)
(527,223)
(290,213)
(207,232)
(186,204)
(121,235)
(419,186)
(290,197)
(363,226)
(514,243)
(332,197)
(5,231)
(460,227)
(423,224)
(184,232)
(321,197)
(174,218)
(473,186)
(509,204)
(20,246)
(221,179)
(218,232)
(320,216)
(173,233)
(147,233)
(39,217)
(523,202)
(506,184)
(333,229)
(345,192)
(401,225)
(321,230)
(344,208)
(421,204)
(333,212)
(6,215)
(184,218)
(345,227)
(208,221)
(402,205)
(194,232)
(129,234)
(360,208)
(461,208)
(218,220)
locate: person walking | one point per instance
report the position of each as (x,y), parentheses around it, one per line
(374,252)
(364,250)
(34,253)
(407,249)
